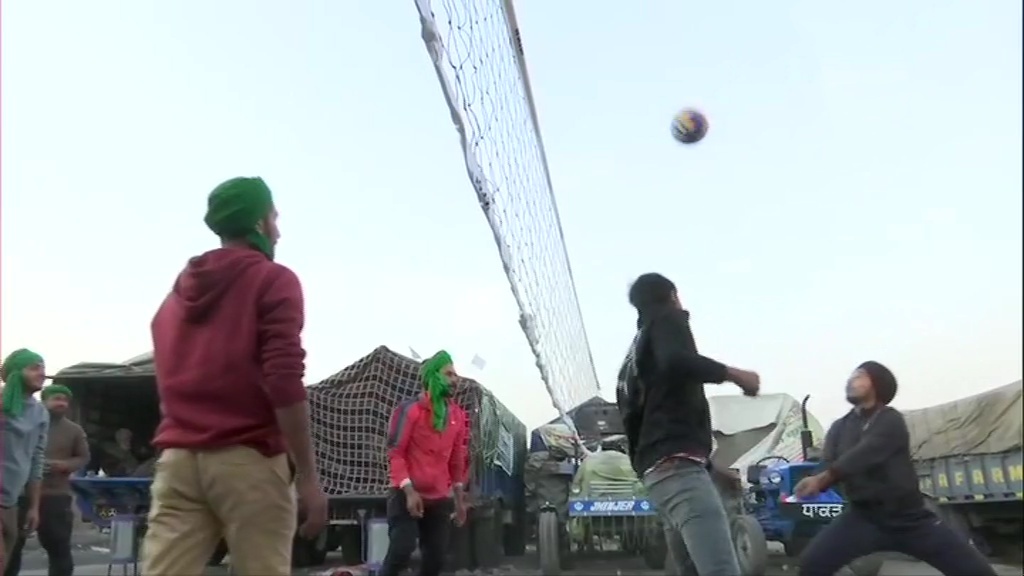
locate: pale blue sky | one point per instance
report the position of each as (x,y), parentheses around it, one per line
(858,195)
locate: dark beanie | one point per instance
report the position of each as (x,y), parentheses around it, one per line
(882,380)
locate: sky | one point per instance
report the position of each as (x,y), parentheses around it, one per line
(858,195)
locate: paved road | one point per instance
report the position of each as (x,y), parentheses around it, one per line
(91,564)
(91,560)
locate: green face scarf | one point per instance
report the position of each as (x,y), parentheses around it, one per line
(14,380)
(438,390)
(236,207)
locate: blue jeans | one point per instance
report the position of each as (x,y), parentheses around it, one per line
(695,520)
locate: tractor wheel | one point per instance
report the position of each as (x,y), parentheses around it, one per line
(751,545)
(678,561)
(869,565)
(654,546)
(549,542)
(795,546)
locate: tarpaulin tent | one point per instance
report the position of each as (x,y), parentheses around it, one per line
(986,423)
(748,429)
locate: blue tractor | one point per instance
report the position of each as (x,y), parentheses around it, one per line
(793,521)
(784,518)
(596,503)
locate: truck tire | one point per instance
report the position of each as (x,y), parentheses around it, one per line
(460,548)
(952,518)
(309,553)
(750,544)
(549,542)
(333,537)
(487,546)
(514,534)
(351,544)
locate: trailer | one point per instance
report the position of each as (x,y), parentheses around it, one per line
(968,458)
(349,415)
(349,418)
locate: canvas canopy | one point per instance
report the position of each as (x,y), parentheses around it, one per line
(109,396)
(606,474)
(748,429)
(986,423)
(137,366)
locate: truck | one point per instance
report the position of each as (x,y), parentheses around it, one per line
(109,399)
(349,415)
(349,419)
(968,457)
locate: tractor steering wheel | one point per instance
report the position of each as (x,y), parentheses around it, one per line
(771,458)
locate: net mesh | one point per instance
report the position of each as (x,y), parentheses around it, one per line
(350,413)
(477,52)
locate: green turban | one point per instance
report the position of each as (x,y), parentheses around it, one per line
(54,390)
(438,389)
(236,207)
(14,380)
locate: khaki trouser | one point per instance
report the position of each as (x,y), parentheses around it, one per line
(9,529)
(236,493)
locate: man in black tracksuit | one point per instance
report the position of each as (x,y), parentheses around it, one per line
(867,452)
(668,425)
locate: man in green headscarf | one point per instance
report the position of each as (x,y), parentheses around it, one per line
(227,347)
(25,426)
(241,210)
(438,374)
(428,469)
(67,451)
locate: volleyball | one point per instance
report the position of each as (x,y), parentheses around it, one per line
(689,126)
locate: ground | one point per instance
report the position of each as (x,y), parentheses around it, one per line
(91,554)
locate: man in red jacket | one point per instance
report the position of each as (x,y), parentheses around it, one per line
(229,368)
(429,467)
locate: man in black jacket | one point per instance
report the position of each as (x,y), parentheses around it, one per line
(867,452)
(668,425)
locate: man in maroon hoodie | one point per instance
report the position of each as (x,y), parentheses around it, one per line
(229,367)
